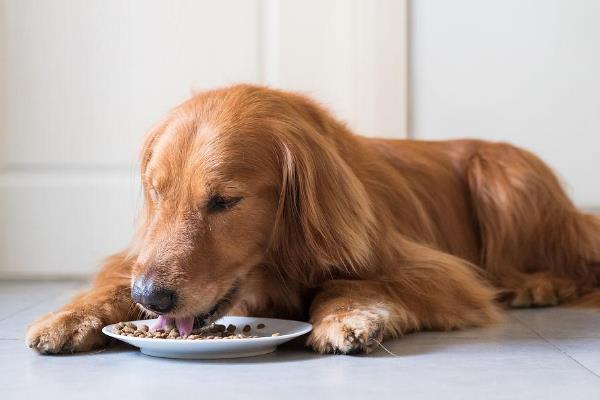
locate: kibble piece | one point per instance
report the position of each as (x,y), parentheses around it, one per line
(143,328)
(260,326)
(231,328)
(275,334)
(120,325)
(173,334)
(131,325)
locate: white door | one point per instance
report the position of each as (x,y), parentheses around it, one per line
(82,81)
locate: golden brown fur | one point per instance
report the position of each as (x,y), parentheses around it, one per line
(366,238)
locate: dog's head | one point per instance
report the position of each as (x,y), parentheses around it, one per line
(236,179)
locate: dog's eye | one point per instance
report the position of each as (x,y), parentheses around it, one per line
(220,203)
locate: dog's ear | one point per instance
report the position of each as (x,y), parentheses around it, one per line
(145,156)
(325,216)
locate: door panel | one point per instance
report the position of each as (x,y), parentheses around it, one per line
(82,81)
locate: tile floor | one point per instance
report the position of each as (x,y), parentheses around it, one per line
(535,354)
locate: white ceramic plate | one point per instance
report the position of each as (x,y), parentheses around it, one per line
(212,349)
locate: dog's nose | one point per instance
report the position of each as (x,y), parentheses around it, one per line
(154,298)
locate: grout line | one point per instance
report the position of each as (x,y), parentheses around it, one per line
(557,348)
(561,350)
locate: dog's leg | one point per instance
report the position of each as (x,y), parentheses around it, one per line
(536,246)
(430,290)
(536,289)
(77,326)
(349,317)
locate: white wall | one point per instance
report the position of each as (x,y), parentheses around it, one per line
(524,71)
(82,81)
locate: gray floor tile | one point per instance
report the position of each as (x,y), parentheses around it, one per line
(14,326)
(584,350)
(561,322)
(17,295)
(510,327)
(534,354)
(425,368)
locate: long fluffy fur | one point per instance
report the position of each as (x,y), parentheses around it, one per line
(366,238)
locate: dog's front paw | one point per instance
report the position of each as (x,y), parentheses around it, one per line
(65,332)
(348,332)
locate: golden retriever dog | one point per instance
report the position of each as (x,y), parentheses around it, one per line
(258,202)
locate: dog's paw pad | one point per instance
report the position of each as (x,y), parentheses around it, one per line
(350,332)
(65,332)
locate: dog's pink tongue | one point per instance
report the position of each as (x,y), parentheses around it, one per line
(163,323)
(184,325)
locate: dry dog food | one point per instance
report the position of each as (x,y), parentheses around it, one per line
(211,332)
